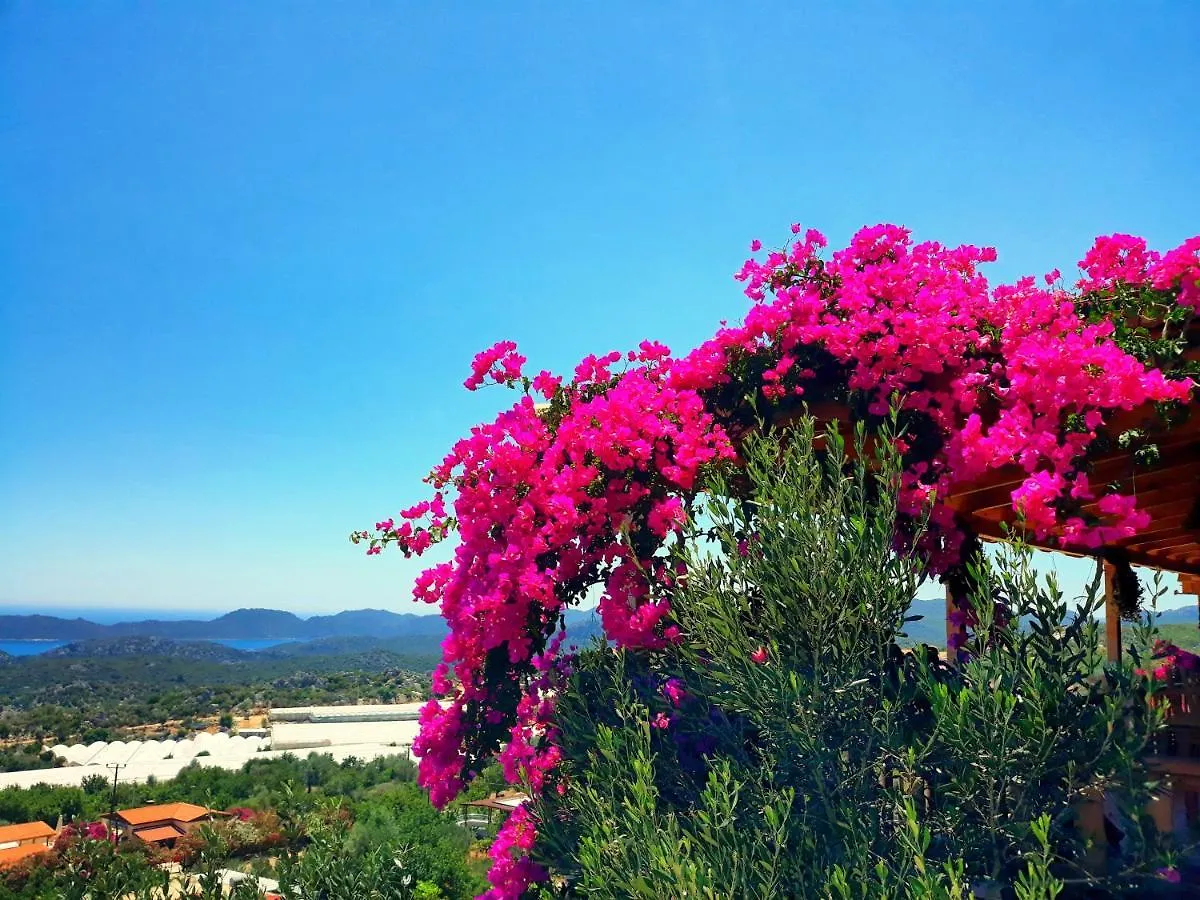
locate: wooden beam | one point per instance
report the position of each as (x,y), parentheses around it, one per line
(1174,493)
(995,490)
(1163,526)
(1150,486)
(1112,615)
(1177,454)
(1166,561)
(1178,559)
(1178,538)
(1163,509)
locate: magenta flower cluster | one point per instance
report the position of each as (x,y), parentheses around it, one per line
(996,370)
(586,490)
(1172,662)
(88,831)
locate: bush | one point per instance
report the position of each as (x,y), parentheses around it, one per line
(95,784)
(788,746)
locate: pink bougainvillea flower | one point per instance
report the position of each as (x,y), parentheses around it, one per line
(513,871)
(585,498)
(1170,874)
(499,363)
(674,691)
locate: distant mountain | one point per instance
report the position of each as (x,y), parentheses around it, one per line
(343,646)
(362,630)
(930,628)
(241,623)
(244,624)
(353,631)
(1184,615)
(582,626)
(378,623)
(33,628)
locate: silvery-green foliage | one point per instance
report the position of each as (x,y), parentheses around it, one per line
(811,754)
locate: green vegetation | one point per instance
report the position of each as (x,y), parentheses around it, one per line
(788,747)
(324,830)
(1185,637)
(21,757)
(88,698)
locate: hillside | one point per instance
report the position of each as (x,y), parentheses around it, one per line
(35,628)
(22,679)
(355,630)
(245,624)
(929,623)
(148,646)
(1183,615)
(340,633)
(343,646)
(1177,625)
(109,684)
(1186,637)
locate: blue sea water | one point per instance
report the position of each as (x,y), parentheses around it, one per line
(33,648)
(29,648)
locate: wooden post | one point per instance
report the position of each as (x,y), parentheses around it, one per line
(958,597)
(1190,584)
(1112,614)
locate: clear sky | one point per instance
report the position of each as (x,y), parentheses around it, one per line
(247,250)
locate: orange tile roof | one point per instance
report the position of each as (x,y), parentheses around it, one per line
(161,833)
(166,812)
(14,855)
(25,831)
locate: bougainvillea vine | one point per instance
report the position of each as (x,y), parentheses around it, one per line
(583,489)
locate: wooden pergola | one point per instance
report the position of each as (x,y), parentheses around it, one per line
(1169,490)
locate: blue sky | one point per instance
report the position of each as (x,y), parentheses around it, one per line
(248,250)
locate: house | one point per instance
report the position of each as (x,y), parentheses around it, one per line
(18,842)
(162,824)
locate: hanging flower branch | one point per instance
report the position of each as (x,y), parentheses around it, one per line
(585,489)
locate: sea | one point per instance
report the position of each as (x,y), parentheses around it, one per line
(114,614)
(33,648)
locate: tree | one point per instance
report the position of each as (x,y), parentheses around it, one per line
(787,745)
(582,495)
(328,854)
(95,784)
(400,816)
(325,870)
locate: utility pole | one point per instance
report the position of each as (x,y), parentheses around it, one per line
(116,767)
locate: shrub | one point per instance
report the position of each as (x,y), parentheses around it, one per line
(787,745)
(95,784)
(578,498)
